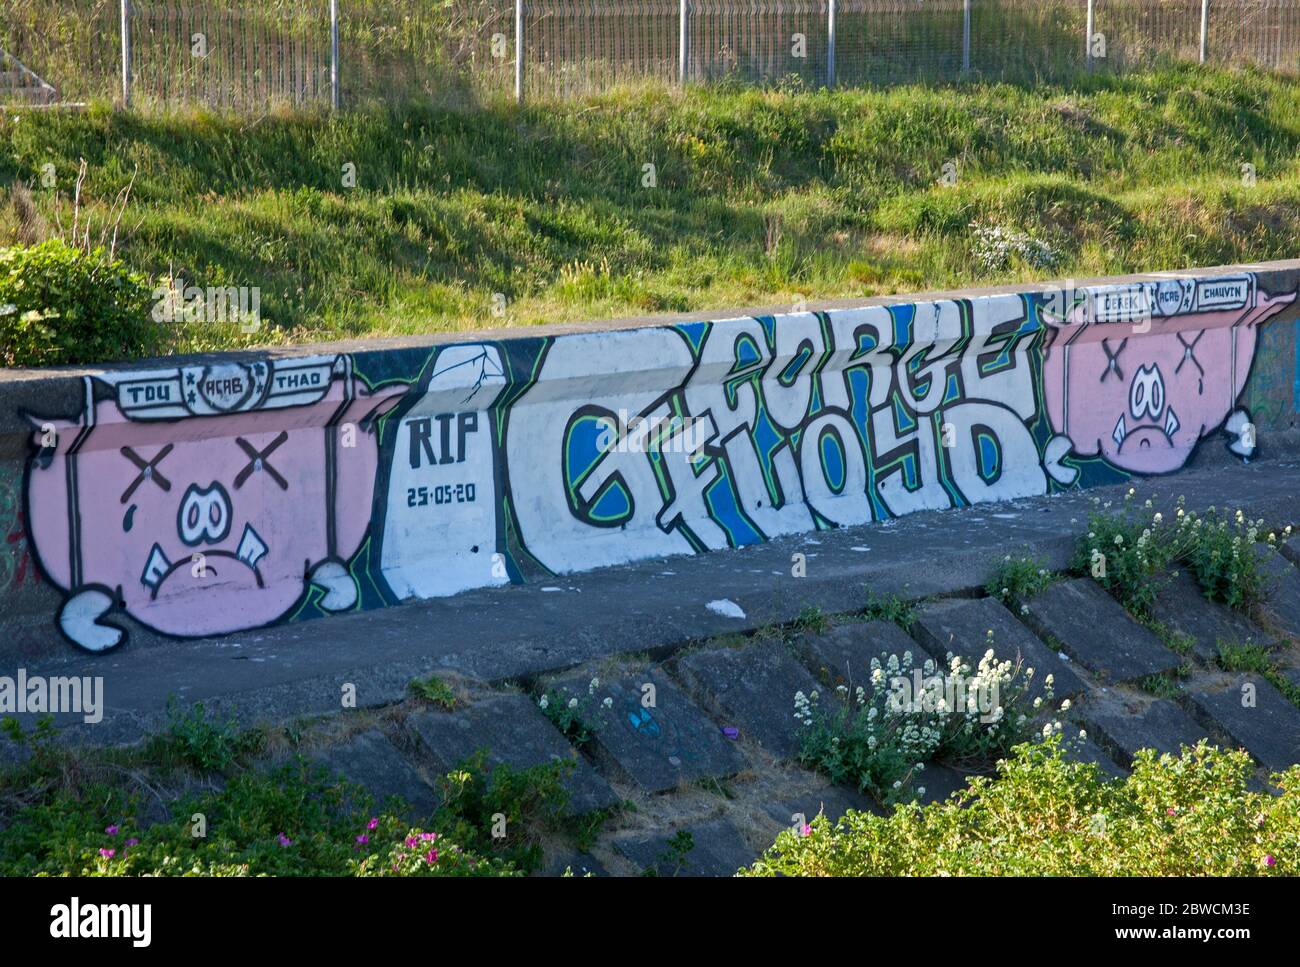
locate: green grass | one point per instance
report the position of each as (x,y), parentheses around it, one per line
(762,197)
(434,690)
(1250,657)
(1015,580)
(890,607)
(1161,685)
(1179,642)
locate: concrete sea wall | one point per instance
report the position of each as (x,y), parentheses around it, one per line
(200,496)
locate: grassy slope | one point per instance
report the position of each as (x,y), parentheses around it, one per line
(544,204)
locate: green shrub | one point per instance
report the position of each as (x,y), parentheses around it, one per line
(194,738)
(676,857)
(78,811)
(45,756)
(1018,579)
(502,812)
(1045,815)
(59,305)
(879,735)
(1222,555)
(574,715)
(292,821)
(1130,553)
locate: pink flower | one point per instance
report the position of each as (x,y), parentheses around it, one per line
(411,842)
(373,824)
(111,830)
(1269,860)
(1172,810)
(285,840)
(108,854)
(133,842)
(431,856)
(363,839)
(428,837)
(806,831)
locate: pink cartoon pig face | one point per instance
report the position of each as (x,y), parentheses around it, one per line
(1143,393)
(209,523)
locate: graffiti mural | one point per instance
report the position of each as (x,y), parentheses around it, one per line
(1140,374)
(214,498)
(204,499)
(792,423)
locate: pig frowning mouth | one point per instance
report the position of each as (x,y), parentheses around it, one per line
(159,568)
(1145,433)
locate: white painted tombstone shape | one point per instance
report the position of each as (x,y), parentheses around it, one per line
(440,533)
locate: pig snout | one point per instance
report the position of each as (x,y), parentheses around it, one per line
(204,516)
(1146,394)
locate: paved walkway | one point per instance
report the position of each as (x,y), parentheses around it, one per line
(516,633)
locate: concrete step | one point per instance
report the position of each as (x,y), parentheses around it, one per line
(1283,606)
(706,849)
(842,655)
(1181,605)
(371,761)
(1253,714)
(1095,631)
(510,729)
(752,689)
(657,746)
(962,626)
(1122,727)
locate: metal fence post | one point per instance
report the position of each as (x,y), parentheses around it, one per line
(334,54)
(830,43)
(519,51)
(126,53)
(1205,30)
(965,37)
(683,40)
(1087,37)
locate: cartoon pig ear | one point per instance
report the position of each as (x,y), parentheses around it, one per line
(48,434)
(384,399)
(79,620)
(372,406)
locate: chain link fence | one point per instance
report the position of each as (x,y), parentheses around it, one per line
(254,54)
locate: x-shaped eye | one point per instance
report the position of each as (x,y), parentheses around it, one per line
(148,470)
(257,460)
(1189,352)
(1112,360)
